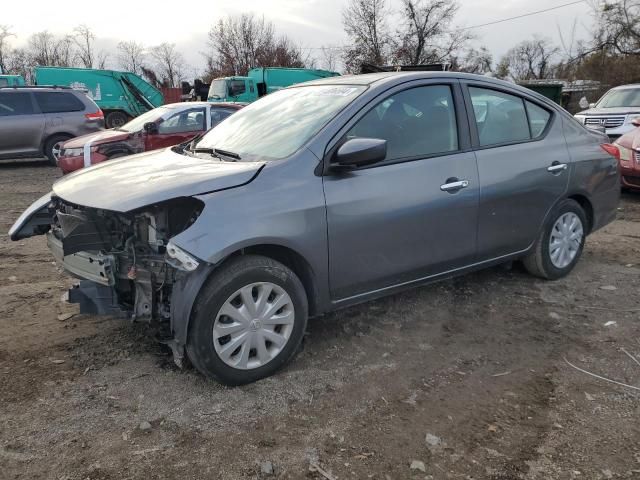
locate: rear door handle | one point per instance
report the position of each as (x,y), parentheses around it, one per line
(557,167)
(453,185)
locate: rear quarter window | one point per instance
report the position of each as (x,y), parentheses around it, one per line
(538,119)
(58,102)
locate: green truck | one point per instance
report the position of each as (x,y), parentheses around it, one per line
(120,95)
(260,82)
(11,80)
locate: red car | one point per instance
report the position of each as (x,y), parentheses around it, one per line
(158,128)
(629,158)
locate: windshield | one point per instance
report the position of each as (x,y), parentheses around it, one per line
(137,123)
(218,89)
(624,97)
(277,125)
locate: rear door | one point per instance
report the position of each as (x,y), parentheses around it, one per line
(522,164)
(414,214)
(21,126)
(177,128)
(63,112)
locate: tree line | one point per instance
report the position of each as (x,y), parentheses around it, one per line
(418,32)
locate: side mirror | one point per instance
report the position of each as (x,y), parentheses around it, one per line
(359,152)
(592,105)
(150,127)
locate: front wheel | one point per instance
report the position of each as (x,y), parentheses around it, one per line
(53,147)
(248,320)
(561,242)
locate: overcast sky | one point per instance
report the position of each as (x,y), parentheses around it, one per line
(311,23)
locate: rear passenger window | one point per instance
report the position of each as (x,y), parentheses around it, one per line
(219,114)
(417,122)
(15,103)
(58,102)
(538,119)
(500,117)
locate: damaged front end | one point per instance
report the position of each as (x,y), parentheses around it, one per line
(126,261)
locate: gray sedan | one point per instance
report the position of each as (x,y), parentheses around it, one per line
(321,196)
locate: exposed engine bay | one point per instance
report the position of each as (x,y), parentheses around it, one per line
(128,255)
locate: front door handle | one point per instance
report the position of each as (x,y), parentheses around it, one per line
(453,185)
(557,167)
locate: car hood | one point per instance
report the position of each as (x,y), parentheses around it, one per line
(104,136)
(139,180)
(610,111)
(630,140)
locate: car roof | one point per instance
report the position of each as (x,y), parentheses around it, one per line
(186,105)
(627,87)
(401,77)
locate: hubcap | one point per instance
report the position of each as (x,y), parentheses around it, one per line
(565,240)
(55,151)
(253,325)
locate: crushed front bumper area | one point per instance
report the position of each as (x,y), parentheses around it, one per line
(96,267)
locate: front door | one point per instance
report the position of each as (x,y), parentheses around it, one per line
(523,166)
(177,128)
(414,214)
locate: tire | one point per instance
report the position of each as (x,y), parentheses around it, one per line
(115,119)
(545,261)
(238,359)
(52,147)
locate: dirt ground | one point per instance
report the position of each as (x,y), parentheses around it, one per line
(467,376)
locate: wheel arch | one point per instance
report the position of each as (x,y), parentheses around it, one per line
(46,139)
(587,206)
(187,288)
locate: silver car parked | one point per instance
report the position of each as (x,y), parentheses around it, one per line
(321,196)
(36,120)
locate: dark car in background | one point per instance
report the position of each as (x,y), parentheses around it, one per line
(36,121)
(325,195)
(161,127)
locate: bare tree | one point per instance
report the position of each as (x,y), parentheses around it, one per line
(473,60)
(169,63)
(5,47)
(239,43)
(427,35)
(131,57)
(84,38)
(19,63)
(329,57)
(617,26)
(530,59)
(365,23)
(44,48)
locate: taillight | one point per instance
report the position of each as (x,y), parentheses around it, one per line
(612,150)
(95,115)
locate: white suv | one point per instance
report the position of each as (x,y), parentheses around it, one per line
(615,111)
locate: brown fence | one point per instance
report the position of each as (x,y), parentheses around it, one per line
(171,94)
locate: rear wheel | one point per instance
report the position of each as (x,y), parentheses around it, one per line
(115,119)
(53,147)
(248,320)
(561,242)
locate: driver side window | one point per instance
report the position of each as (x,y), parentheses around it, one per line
(416,122)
